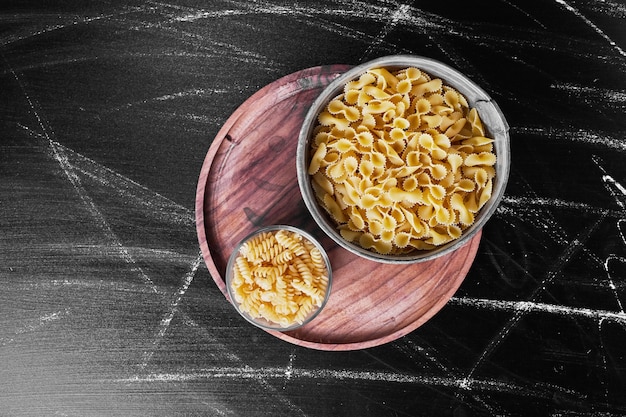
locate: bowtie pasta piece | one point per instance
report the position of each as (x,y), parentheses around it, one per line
(415,130)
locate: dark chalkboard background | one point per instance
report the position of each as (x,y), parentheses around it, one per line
(107,111)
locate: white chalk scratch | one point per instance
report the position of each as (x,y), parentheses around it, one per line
(204,43)
(173,308)
(524,12)
(522,308)
(616,189)
(321,18)
(618,192)
(610,141)
(608,7)
(604,361)
(196,92)
(401,13)
(589,23)
(515,204)
(205,14)
(222,353)
(53,316)
(289,369)
(359,10)
(36,324)
(572,248)
(621,228)
(71,21)
(408,347)
(153,203)
(81,284)
(61,157)
(593,94)
(534,390)
(608,262)
(536,307)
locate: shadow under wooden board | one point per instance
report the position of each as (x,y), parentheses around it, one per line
(249,180)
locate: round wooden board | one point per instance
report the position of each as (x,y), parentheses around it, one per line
(248,180)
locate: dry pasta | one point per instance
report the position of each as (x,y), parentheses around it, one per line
(280,276)
(400,161)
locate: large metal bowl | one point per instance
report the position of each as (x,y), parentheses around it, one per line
(494,123)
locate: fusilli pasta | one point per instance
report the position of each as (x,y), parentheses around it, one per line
(279,276)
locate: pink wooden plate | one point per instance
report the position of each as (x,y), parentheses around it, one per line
(249,180)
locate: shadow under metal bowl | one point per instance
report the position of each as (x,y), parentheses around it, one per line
(493,121)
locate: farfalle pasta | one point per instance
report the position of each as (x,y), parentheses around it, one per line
(400,161)
(279,276)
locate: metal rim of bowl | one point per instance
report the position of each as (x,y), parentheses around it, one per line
(493,120)
(262,323)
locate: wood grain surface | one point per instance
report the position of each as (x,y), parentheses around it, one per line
(370,303)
